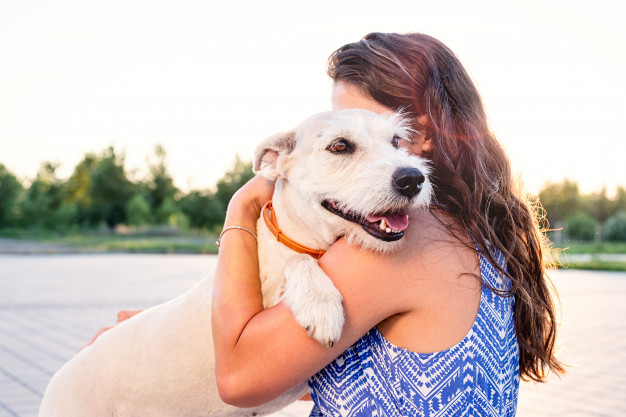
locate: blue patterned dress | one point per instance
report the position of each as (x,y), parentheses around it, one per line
(477,377)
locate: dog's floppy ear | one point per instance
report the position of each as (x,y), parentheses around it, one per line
(269,156)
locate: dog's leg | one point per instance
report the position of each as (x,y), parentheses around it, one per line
(313,299)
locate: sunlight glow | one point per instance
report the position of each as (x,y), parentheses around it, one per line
(210,80)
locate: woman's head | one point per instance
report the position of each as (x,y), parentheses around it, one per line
(350,96)
(472,178)
(416,73)
(419,75)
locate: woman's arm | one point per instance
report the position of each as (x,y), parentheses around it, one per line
(260,354)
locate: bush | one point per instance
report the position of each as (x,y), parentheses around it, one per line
(203,210)
(138,211)
(10,189)
(33,209)
(64,217)
(581,226)
(167,209)
(179,222)
(615,227)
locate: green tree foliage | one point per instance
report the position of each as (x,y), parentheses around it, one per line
(581,226)
(78,188)
(161,191)
(620,200)
(203,211)
(111,189)
(99,192)
(100,189)
(601,205)
(10,190)
(44,204)
(615,227)
(166,210)
(564,203)
(138,212)
(206,209)
(235,178)
(560,200)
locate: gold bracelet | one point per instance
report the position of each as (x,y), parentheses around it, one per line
(234,227)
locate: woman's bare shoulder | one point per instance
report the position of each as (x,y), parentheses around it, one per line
(433,248)
(442,289)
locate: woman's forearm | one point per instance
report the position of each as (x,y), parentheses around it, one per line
(257,351)
(237,288)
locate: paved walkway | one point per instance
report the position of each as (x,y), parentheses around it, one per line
(51,305)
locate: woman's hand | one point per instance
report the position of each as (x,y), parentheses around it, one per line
(245,207)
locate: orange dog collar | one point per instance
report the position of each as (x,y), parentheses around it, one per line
(270,221)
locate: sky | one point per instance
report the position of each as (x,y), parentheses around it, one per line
(211,79)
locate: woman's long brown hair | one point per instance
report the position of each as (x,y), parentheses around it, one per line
(472,176)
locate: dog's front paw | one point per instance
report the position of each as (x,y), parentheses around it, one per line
(313,299)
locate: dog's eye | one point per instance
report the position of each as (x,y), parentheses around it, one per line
(397,141)
(340,146)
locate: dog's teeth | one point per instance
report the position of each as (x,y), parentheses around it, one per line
(388,230)
(383,225)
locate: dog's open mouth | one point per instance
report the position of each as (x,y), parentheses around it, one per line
(388,226)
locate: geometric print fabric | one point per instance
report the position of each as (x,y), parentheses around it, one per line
(479,376)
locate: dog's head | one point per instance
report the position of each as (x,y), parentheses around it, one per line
(349,169)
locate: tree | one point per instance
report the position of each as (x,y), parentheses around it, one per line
(234,179)
(206,209)
(601,208)
(44,204)
(160,185)
(138,211)
(110,188)
(100,188)
(581,226)
(202,209)
(78,189)
(560,200)
(616,227)
(10,190)
(620,200)
(601,205)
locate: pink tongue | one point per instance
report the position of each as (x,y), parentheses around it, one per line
(394,221)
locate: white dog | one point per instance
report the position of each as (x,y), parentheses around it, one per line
(338,174)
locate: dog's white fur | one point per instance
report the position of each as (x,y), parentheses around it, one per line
(160,362)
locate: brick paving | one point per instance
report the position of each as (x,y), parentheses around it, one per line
(50,306)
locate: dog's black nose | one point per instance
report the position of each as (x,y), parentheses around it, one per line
(408,181)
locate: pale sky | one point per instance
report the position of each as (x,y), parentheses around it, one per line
(210,79)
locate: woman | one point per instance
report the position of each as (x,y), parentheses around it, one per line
(447,325)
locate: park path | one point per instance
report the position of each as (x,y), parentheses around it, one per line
(51,305)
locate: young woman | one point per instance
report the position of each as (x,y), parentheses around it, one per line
(447,325)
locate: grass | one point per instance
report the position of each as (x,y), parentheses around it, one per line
(596,250)
(142,244)
(597,265)
(575,248)
(193,242)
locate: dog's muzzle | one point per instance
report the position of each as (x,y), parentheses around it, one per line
(388,226)
(408,181)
